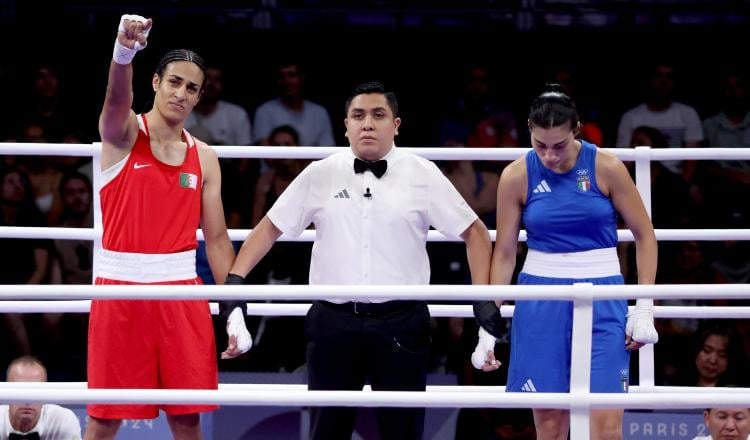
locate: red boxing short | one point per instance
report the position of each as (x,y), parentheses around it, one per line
(161,344)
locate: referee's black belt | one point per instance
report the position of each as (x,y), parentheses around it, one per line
(373,309)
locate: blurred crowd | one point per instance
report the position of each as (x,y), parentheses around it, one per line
(471,112)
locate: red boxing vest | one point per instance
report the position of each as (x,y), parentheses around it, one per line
(148,206)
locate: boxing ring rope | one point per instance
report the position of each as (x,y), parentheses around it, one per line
(340,292)
(579,401)
(467,399)
(435,153)
(436,310)
(432,235)
(253,387)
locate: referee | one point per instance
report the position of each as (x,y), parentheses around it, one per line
(372,206)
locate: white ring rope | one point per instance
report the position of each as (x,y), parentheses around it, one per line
(453,399)
(37,232)
(432,153)
(579,400)
(443,292)
(48,149)
(254,387)
(436,310)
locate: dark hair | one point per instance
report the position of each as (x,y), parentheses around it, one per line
(28,189)
(658,140)
(373,87)
(285,129)
(553,108)
(28,212)
(73,175)
(735,354)
(180,55)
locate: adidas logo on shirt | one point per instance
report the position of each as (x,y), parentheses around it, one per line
(529,385)
(343,194)
(543,188)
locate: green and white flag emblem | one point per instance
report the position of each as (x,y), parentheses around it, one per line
(188,180)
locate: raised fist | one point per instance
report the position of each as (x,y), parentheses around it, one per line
(132,36)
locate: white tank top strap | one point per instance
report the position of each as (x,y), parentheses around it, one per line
(189,139)
(145,268)
(596,263)
(142,123)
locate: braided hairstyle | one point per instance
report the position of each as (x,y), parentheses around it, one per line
(180,55)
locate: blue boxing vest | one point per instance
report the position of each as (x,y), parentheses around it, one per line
(567,212)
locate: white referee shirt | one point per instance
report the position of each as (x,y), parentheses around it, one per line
(371,240)
(55,423)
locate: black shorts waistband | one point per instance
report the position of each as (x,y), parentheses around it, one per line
(373,309)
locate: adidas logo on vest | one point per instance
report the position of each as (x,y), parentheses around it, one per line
(543,187)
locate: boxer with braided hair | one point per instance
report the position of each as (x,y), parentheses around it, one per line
(159,185)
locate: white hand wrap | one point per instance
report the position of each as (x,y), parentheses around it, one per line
(640,324)
(123,54)
(486,343)
(236,327)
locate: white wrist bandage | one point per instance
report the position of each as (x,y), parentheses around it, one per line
(236,327)
(640,324)
(122,54)
(486,343)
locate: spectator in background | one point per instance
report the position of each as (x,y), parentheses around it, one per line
(75,256)
(22,261)
(64,349)
(681,263)
(678,122)
(671,203)
(35,420)
(591,130)
(45,173)
(217,121)
(273,181)
(46,105)
(730,128)
(277,345)
(726,424)
(733,263)
(311,120)
(477,119)
(718,359)
(476,185)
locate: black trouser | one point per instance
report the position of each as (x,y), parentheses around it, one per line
(350,343)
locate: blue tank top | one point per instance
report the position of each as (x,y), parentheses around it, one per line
(567,212)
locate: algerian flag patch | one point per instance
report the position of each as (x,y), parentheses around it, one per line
(188,180)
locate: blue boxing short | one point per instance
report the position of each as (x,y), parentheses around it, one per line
(541,341)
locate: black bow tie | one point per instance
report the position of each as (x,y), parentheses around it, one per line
(377,167)
(28,435)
